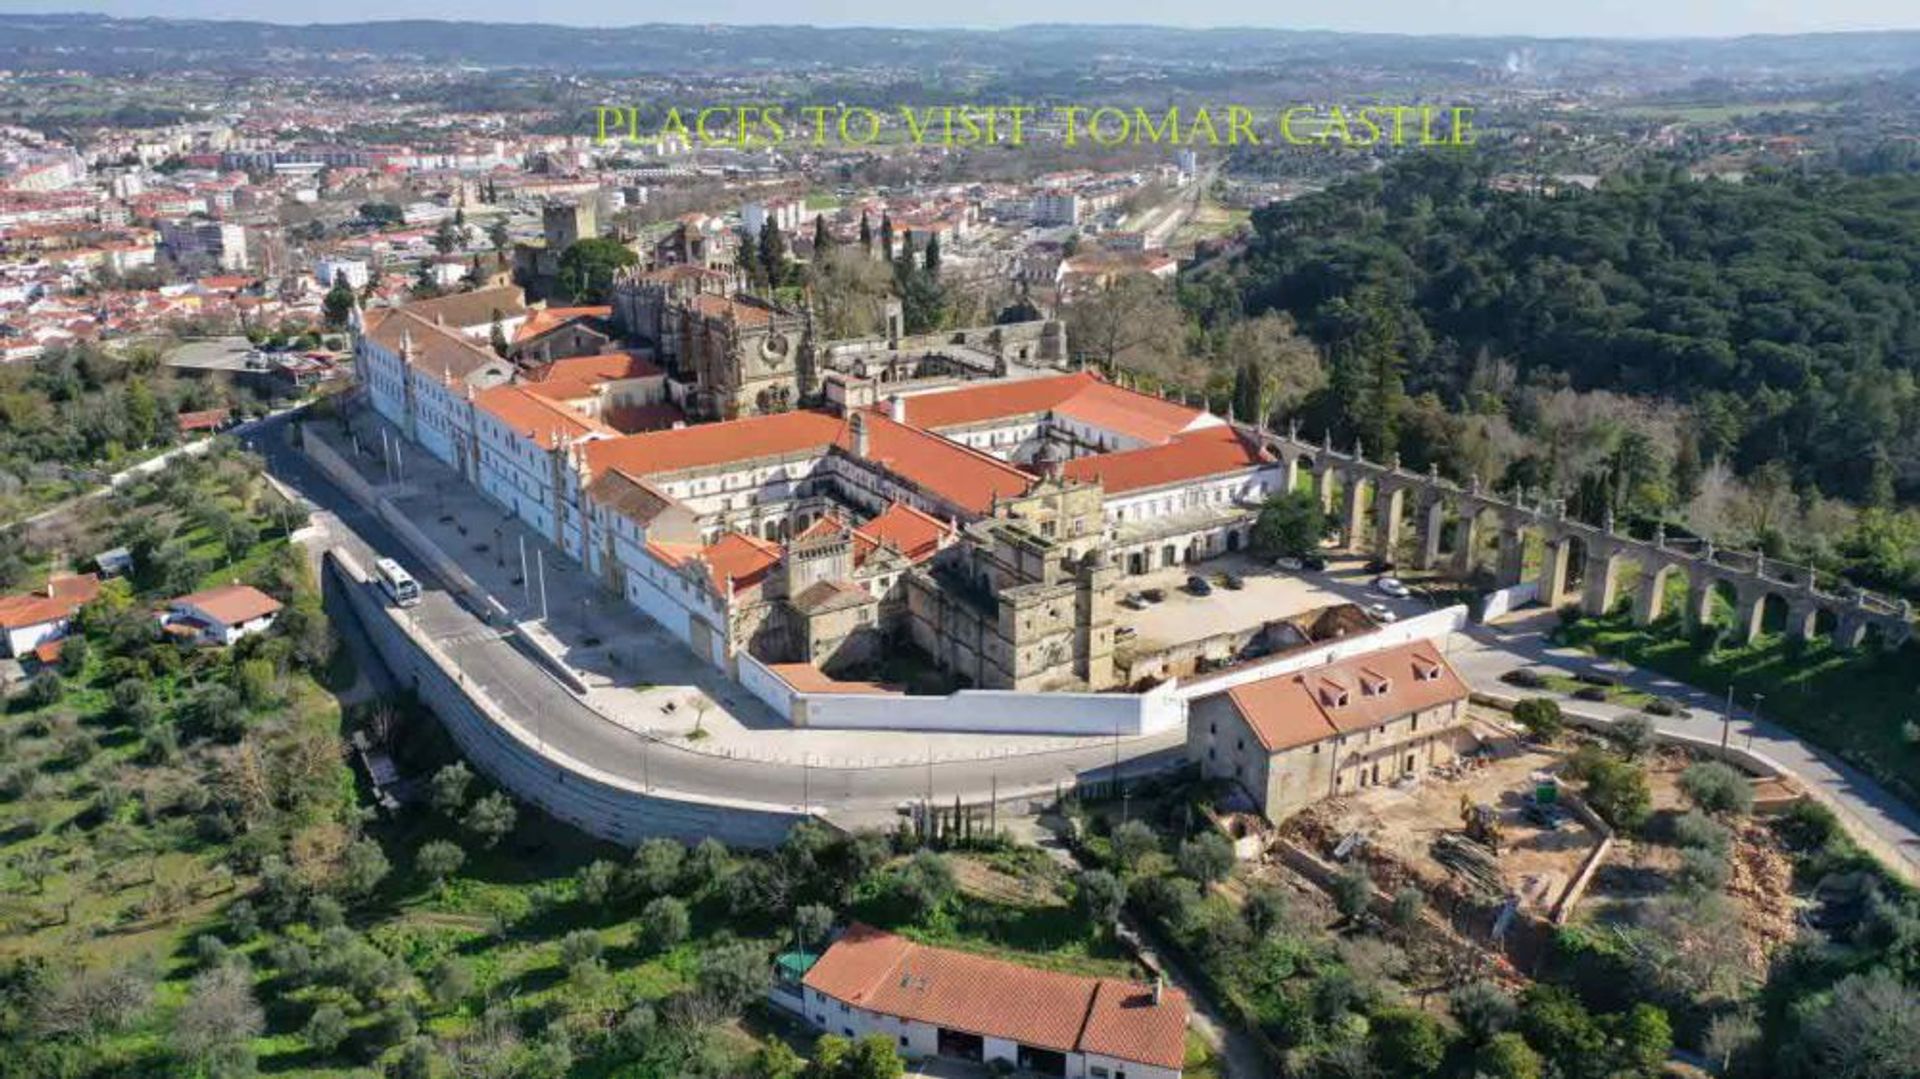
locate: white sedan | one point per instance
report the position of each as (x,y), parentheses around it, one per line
(1391,586)
(1381,613)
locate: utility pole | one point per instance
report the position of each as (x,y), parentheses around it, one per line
(540,560)
(1726,720)
(526,579)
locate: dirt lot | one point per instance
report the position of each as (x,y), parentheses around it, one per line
(1537,864)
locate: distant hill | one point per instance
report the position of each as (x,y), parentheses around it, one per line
(106,45)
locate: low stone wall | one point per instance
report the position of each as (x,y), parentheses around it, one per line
(573,791)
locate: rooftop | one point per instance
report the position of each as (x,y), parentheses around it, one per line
(1208,451)
(1348,695)
(881,972)
(230,604)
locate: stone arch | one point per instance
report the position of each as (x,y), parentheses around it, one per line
(1662,594)
(1770,616)
(1823,622)
(1717,604)
(1608,575)
(1388,515)
(1476,535)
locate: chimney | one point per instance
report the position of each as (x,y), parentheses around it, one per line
(897,408)
(859,423)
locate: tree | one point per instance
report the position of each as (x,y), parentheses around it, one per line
(811,924)
(587,268)
(438,859)
(926,882)
(1275,369)
(1554,1023)
(886,235)
(732,974)
(930,260)
(492,818)
(1266,908)
(1717,788)
(216,1026)
(596,881)
(363,868)
(1367,365)
(776,1059)
(452,982)
(1290,524)
(1643,1038)
(449,788)
(580,951)
(1132,841)
(708,866)
(338,303)
(1618,791)
(664,923)
(866,235)
(773,253)
(1405,910)
(1352,891)
(1099,896)
(1207,857)
(656,867)
(1867,1028)
(1635,735)
(823,242)
(497,336)
(1483,1010)
(326,1029)
(1540,717)
(1507,1056)
(1408,1043)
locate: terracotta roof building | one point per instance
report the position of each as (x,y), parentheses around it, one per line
(1368,719)
(37,618)
(939,1002)
(221,615)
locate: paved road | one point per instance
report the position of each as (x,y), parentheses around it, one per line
(514,680)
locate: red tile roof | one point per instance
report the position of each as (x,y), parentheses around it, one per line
(63,596)
(913,533)
(1352,694)
(881,972)
(959,474)
(716,443)
(807,678)
(548,319)
(741,559)
(1083,396)
(230,604)
(1209,451)
(578,376)
(201,421)
(530,415)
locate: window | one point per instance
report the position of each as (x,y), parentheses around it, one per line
(848,1031)
(903,1041)
(1097,1072)
(843,1007)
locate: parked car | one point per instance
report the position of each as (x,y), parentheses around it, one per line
(1391,586)
(1313,562)
(1153,595)
(1198,585)
(1293,564)
(1133,602)
(1232,582)
(1379,565)
(1380,612)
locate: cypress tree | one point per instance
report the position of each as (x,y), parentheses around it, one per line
(866,234)
(932,258)
(886,234)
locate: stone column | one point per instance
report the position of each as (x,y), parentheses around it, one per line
(1553,571)
(1850,632)
(1468,539)
(1292,473)
(1699,599)
(1513,556)
(1433,518)
(1748,607)
(1802,616)
(1649,597)
(1386,537)
(1355,517)
(1602,577)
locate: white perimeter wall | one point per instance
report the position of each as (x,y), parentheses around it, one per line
(1502,601)
(980,710)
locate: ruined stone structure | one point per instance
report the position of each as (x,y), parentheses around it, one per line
(1385,509)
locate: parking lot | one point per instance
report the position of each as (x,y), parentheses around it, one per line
(1266,594)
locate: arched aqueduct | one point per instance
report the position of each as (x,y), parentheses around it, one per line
(1385,509)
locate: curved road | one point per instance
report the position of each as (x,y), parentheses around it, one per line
(572,729)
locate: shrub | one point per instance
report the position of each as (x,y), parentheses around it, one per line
(1660,706)
(1525,678)
(1207,857)
(1589,693)
(1697,831)
(1635,735)
(1617,790)
(664,922)
(1540,717)
(1702,870)
(1717,788)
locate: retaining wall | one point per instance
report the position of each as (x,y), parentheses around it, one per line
(573,791)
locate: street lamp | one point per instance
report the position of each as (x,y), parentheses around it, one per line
(1754,721)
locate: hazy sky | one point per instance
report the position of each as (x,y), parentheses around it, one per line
(1611,18)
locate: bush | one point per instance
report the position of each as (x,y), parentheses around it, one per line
(1352,891)
(1697,831)
(1717,788)
(1525,678)
(664,922)
(1617,790)
(1702,870)
(1589,693)
(1132,841)
(1660,706)
(1207,857)
(1635,735)
(1540,717)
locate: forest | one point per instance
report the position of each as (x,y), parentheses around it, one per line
(1737,358)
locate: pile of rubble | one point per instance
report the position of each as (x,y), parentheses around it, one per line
(1762,881)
